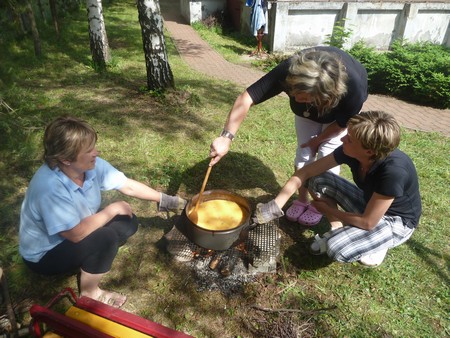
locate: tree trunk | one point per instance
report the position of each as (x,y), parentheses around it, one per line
(159,74)
(34,31)
(54,12)
(97,34)
(41,10)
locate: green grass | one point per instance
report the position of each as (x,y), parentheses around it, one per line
(231,45)
(164,141)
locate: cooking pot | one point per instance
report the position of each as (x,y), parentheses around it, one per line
(215,239)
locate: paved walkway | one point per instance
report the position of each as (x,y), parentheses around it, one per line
(201,57)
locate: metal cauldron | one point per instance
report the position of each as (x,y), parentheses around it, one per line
(215,239)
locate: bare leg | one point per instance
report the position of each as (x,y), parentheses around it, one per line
(89,287)
(303,195)
(334,222)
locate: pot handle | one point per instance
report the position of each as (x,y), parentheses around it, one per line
(252,225)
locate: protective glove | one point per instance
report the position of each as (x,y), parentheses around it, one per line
(267,212)
(171,203)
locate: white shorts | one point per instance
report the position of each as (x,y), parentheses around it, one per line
(306,129)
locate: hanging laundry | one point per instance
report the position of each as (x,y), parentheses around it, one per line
(258,16)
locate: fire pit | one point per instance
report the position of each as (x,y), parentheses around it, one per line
(229,269)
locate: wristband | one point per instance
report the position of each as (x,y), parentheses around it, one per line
(227,134)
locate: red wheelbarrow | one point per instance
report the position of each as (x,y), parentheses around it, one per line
(91,319)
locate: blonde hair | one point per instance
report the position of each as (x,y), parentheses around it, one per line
(65,138)
(320,74)
(377,131)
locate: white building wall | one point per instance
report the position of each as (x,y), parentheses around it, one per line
(295,24)
(428,22)
(194,11)
(378,24)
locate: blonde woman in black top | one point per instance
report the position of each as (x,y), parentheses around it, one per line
(326,87)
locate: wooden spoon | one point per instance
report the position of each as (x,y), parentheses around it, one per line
(194,213)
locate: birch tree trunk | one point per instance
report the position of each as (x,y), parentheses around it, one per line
(159,74)
(97,34)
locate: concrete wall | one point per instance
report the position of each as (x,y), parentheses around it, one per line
(294,24)
(194,11)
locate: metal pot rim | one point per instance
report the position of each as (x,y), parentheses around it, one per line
(214,195)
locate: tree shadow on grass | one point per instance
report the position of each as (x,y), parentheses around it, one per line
(298,253)
(246,175)
(158,287)
(240,173)
(426,254)
(147,273)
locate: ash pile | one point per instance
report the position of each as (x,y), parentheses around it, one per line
(228,270)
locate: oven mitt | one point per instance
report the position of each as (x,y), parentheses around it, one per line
(267,212)
(171,203)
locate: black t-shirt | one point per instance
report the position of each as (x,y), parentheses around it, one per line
(273,83)
(395,176)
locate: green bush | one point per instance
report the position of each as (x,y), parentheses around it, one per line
(417,72)
(375,64)
(339,36)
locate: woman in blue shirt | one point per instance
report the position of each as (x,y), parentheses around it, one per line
(62,224)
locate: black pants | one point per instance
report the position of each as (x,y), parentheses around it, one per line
(94,254)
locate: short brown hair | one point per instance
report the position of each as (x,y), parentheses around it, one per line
(65,137)
(377,131)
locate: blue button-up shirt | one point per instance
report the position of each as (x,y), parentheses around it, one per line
(54,203)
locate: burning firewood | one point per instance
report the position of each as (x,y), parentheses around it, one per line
(229,262)
(215,260)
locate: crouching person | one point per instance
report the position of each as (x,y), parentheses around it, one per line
(62,226)
(377,212)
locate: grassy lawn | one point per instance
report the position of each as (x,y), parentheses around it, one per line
(163,140)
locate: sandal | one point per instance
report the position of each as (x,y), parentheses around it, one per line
(296,209)
(113,299)
(310,217)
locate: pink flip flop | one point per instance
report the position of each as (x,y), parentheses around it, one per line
(310,217)
(296,209)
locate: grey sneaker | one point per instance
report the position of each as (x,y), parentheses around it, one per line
(319,246)
(374,259)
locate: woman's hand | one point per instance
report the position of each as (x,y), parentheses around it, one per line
(322,203)
(313,144)
(96,221)
(219,148)
(267,212)
(171,203)
(118,208)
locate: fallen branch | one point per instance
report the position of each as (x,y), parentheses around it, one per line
(3,103)
(306,312)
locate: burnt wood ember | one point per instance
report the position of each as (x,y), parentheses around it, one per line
(229,262)
(201,252)
(215,260)
(228,270)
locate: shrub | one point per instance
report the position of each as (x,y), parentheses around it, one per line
(375,64)
(423,72)
(418,72)
(339,36)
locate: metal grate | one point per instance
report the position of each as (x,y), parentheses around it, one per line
(259,251)
(258,254)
